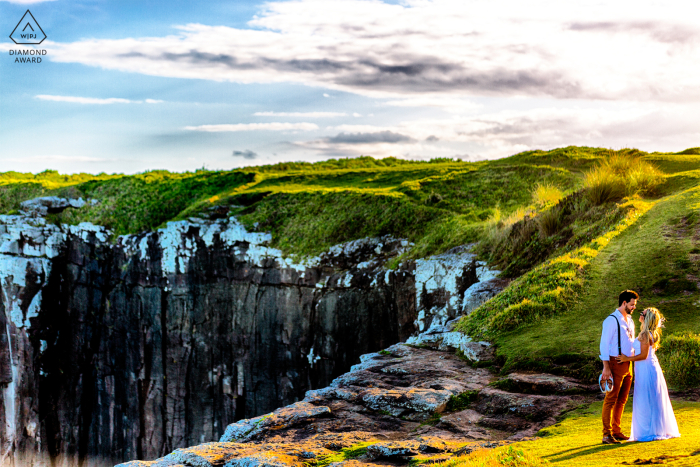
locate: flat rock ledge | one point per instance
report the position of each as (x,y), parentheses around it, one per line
(401,404)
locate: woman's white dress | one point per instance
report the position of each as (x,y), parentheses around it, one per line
(652,413)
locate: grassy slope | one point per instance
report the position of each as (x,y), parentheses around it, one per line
(436,206)
(309,207)
(653,249)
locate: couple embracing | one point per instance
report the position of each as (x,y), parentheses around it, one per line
(652,414)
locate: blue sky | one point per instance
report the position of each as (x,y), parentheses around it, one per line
(129,86)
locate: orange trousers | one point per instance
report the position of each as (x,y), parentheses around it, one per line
(615,400)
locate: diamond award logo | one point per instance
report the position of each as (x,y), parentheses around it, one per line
(28,31)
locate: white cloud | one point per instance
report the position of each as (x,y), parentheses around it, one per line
(253,127)
(629,50)
(503,133)
(301,114)
(449,103)
(93,100)
(83,100)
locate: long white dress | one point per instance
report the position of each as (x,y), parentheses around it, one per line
(652,413)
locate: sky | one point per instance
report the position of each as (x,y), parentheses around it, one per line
(127,86)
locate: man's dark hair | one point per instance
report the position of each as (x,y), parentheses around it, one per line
(626,296)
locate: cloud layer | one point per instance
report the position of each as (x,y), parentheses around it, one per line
(247,154)
(502,133)
(641,51)
(431,78)
(232,127)
(94,100)
(301,114)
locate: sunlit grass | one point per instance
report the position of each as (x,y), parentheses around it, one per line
(508,456)
(546,194)
(620,175)
(576,440)
(548,289)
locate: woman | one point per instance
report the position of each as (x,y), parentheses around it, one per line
(652,413)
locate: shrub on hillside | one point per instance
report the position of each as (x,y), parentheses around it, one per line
(621,175)
(145,201)
(603,186)
(680,359)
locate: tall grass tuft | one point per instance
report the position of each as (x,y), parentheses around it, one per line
(550,221)
(620,175)
(680,358)
(498,228)
(546,194)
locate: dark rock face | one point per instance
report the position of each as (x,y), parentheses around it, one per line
(112,352)
(382,402)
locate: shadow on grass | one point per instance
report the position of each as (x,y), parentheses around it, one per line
(582,451)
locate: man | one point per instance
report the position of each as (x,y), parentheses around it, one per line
(617,337)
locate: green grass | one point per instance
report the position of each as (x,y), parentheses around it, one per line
(452,199)
(461,401)
(575,441)
(532,214)
(128,204)
(16,187)
(508,456)
(351,452)
(146,201)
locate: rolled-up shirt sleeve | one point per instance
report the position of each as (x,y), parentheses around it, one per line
(606,338)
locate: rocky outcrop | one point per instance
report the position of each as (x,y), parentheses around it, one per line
(400,404)
(52,205)
(121,348)
(446,338)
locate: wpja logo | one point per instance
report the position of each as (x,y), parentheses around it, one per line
(28,32)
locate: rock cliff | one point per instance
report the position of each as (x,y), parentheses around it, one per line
(128,348)
(399,405)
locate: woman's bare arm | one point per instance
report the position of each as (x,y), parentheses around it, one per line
(643,354)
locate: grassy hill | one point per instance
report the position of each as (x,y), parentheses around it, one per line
(572,227)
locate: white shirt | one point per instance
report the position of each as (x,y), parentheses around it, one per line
(608,339)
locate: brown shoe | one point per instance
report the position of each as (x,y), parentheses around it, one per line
(620,437)
(609,439)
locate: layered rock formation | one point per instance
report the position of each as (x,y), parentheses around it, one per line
(126,349)
(401,404)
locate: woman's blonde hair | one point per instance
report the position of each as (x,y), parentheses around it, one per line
(651,326)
